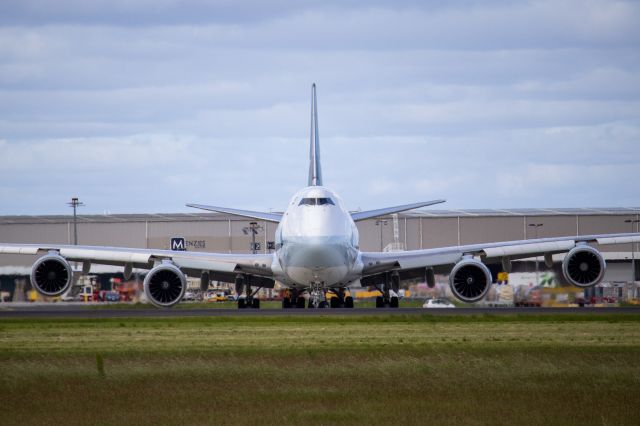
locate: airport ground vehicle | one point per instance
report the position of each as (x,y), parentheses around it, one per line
(438,303)
(215,296)
(112,296)
(528,297)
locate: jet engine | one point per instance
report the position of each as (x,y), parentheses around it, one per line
(165,285)
(470,280)
(584,266)
(51,275)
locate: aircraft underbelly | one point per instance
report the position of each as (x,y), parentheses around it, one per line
(307,276)
(323,263)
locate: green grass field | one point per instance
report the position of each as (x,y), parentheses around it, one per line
(536,369)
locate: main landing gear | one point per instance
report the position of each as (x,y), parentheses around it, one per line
(317,299)
(389,291)
(341,300)
(253,303)
(243,284)
(293,300)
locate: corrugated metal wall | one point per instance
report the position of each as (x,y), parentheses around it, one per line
(226,235)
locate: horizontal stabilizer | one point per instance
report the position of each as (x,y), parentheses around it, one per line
(389,210)
(269,217)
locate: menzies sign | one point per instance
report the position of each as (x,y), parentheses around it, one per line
(181,244)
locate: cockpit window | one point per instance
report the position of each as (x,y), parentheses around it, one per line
(323,201)
(316,202)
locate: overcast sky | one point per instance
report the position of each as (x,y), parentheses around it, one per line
(145,105)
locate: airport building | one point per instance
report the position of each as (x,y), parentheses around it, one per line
(212,232)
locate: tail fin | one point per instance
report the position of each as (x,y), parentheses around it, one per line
(315,172)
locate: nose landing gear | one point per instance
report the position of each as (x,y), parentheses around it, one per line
(318,298)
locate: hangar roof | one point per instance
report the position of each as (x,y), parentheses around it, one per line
(583,211)
(191,217)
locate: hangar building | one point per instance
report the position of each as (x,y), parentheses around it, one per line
(212,232)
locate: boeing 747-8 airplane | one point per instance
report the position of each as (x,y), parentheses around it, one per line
(317,252)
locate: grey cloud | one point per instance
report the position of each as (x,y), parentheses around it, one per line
(352,25)
(154,12)
(490,104)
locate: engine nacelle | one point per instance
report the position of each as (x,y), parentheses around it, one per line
(470,280)
(51,275)
(165,285)
(584,266)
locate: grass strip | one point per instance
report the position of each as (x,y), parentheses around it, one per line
(549,369)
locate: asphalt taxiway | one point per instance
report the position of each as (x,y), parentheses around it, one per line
(46,312)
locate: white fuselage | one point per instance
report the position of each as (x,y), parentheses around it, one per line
(316,241)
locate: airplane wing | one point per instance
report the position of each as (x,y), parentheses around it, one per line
(406,261)
(269,217)
(356,216)
(221,267)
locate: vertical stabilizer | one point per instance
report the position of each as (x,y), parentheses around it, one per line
(315,172)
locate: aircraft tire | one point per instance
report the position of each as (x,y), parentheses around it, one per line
(379,302)
(348,302)
(394,302)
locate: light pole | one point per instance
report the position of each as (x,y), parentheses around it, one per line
(75,203)
(379,223)
(535,226)
(634,223)
(253,228)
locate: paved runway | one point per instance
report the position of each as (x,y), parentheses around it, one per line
(46,312)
